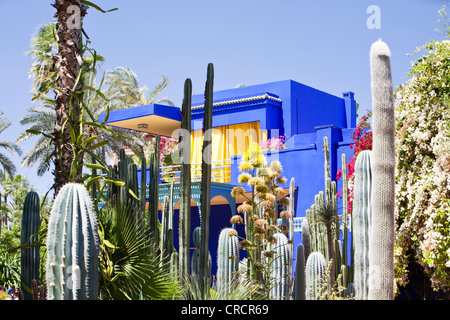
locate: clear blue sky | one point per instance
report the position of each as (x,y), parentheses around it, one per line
(321,43)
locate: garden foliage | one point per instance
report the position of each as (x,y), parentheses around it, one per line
(423,167)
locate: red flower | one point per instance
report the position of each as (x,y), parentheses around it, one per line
(363,141)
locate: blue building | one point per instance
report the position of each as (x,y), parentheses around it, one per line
(246,115)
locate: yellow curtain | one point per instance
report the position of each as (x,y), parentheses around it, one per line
(226,142)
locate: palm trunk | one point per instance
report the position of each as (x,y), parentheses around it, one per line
(69,14)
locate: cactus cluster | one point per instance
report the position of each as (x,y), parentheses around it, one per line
(321,230)
(372,273)
(324,222)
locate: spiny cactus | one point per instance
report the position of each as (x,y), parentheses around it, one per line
(315,271)
(185,182)
(227,259)
(381,269)
(361,222)
(30,257)
(280,268)
(72,246)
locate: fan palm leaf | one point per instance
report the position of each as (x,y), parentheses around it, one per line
(129,262)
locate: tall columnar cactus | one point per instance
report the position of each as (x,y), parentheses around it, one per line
(143,187)
(345,210)
(227,260)
(72,246)
(361,222)
(30,258)
(205,196)
(381,269)
(315,271)
(280,268)
(185,182)
(300,275)
(153,192)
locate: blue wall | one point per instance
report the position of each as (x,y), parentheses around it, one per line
(303,107)
(306,115)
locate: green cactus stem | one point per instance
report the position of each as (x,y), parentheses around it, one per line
(300,280)
(153,192)
(306,238)
(72,246)
(143,188)
(381,269)
(30,257)
(361,222)
(185,182)
(206,172)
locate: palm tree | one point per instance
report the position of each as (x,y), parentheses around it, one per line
(41,119)
(119,95)
(5,162)
(68,62)
(120,88)
(124,91)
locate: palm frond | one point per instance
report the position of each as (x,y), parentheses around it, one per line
(136,270)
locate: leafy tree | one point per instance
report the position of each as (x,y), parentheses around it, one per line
(423,173)
(15,189)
